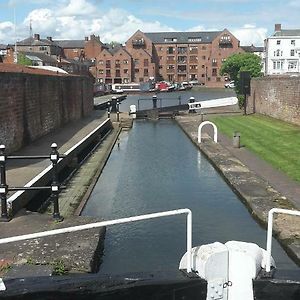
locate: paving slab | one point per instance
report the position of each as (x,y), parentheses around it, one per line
(69,252)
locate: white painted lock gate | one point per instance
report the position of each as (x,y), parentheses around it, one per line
(228,268)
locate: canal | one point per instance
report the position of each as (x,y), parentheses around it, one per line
(157,168)
(144,101)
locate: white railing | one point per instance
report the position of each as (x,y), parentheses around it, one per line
(114,222)
(270,231)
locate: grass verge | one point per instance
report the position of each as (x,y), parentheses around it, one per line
(275,141)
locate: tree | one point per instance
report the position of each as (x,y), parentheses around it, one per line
(23,60)
(236,63)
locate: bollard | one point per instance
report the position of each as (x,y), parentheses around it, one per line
(3,186)
(192,100)
(154,101)
(202,117)
(114,104)
(118,111)
(108,109)
(54,157)
(236,140)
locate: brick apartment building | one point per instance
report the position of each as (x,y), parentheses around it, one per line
(169,56)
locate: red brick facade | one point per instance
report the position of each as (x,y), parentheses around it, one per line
(32,105)
(277,97)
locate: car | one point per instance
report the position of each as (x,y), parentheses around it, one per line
(229,85)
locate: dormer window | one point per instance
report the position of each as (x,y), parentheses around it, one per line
(194,39)
(170,39)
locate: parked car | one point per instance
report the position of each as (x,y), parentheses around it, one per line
(229,85)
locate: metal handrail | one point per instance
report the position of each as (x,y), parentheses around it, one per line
(114,222)
(270,231)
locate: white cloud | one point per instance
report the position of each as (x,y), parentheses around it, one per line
(78,8)
(250,34)
(6,29)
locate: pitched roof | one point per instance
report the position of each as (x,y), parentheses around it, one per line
(3,47)
(70,43)
(252,49)
(36,42)
(199,37)
(41,56)
(113,49)
(287,32)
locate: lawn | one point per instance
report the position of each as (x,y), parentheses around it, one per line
(275,141)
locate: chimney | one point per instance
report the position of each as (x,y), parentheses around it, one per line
(277,27)
(49,38)
(37,36)
(86,38)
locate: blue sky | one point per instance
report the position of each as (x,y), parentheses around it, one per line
(250,21)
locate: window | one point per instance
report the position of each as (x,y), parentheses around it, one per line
(101,62)
(101,72)
(214,62)
(293,42)
(292,52)
(170,67)
(193,67)
(136,70)
(146,62)
(203,47)
(170,50)
(182,59)
(125,62)
(160,57)
(146,73)
(203,57)
(193,49)
(292,65)
(277,65)
(118,73)
(136,62)
(125,71)
(194,39)
(278,42)
(108,74)
(107,64)
(160,49)
(170,39)
(202,75)
(182,50)
(117,64)
(42,48)
(214,72)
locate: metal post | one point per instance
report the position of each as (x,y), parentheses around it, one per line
(3,185)
(192,100)
(154,101)
(118,111)
(108,110)
(114,104)
(54,157)
(270,231)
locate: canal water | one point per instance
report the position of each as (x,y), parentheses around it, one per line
(144,101)
(157,168)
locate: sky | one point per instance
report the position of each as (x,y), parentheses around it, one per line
(116,20)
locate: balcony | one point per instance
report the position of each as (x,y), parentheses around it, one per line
(138,43)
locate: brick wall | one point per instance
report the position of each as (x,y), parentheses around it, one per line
(276,96)
(34,105)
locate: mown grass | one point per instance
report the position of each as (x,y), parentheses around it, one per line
(274,141)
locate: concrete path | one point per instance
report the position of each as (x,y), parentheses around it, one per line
(19,172)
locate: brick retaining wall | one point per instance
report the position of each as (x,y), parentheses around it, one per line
(276,96)
(34,105)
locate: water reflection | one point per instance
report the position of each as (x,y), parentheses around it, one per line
(157,168)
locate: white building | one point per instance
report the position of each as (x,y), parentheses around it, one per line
(283,52)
